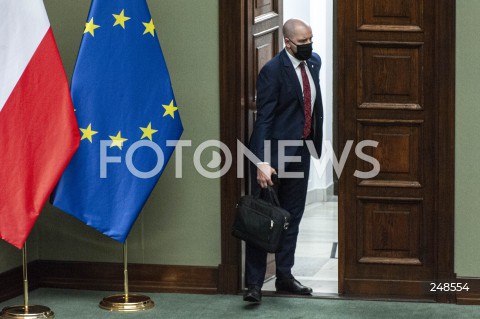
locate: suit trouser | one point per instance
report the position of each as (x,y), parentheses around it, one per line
(292,194)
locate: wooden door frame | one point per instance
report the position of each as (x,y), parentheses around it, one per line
(233,115)
(233,112)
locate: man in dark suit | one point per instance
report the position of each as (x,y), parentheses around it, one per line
(289,108)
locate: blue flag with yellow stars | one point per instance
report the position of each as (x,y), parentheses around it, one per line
(128,118)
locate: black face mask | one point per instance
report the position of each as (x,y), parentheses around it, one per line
(304,51)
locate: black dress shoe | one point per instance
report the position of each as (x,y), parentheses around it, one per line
(253,294)
(292,286)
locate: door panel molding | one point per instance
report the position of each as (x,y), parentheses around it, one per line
(390,15)
(399,152)
(380,67)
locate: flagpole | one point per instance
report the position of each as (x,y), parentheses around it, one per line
(25,277)
(125,270)
(26,311)
(126,302)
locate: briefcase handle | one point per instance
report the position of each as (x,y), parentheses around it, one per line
(272,195)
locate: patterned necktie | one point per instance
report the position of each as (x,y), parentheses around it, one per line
(307,100)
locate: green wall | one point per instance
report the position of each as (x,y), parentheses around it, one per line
(467,144)
(11,257)
(181,222)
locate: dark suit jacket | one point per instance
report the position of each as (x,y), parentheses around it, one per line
(280,107)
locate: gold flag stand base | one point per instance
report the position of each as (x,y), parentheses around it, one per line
(127,303)
(26,311)
(30,312)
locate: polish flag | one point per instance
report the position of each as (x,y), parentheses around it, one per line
(38,130)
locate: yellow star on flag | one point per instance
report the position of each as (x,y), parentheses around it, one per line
(120,19)
(88,133)
(170,110)
(148,132)
(90,27)
(118,140)
(149,28)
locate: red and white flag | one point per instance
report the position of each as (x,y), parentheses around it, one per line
(38,130)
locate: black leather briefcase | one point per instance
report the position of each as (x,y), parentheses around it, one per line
(261,222)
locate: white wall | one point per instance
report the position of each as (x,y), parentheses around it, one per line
(299,9)
(319,14)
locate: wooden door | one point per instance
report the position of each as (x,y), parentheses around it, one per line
(395,83)
(264,41)
(395,69)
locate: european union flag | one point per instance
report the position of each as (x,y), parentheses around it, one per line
(126,112)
